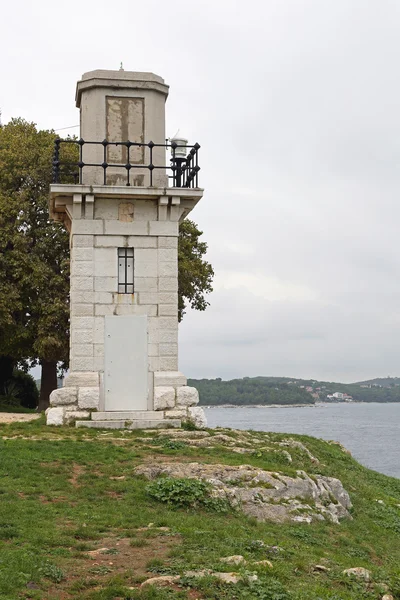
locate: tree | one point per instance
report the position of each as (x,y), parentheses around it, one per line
(34,259)
(195,275)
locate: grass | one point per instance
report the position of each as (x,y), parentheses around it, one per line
(67,492)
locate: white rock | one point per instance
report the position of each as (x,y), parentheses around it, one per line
(228,577)
(97,551)
(234,577)
(225,577)
(199,573)
(55,416)
(180,413)
(161,580)
(321,568)
(63,396)
(388,597)
(187,396)
(74,415)
(358,572)
(88,397)
(197,416)
(164,397)
(237,559)
(264,563)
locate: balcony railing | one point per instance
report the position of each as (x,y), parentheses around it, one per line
(183,171)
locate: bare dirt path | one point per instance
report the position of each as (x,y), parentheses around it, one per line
(17,417)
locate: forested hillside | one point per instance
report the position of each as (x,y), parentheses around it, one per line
(250,390)
(286,390)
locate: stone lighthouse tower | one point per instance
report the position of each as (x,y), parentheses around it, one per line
(122,196)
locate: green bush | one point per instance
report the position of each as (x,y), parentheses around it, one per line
(20,390)
(52,572)
(185,493)
(10,396)
(174,444)
(28,392)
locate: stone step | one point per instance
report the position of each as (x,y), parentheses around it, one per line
(128,415)
(130,424)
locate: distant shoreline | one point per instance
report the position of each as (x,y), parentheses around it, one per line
(260,405)
(316,404)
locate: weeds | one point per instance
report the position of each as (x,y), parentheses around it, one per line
(52,572)
(185,493)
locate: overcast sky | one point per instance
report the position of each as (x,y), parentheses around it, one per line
(296,104)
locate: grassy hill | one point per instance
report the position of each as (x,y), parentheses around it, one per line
(74,521)
(289,390)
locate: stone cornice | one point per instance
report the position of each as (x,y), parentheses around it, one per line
(120,80)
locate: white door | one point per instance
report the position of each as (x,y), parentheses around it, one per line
(125,363)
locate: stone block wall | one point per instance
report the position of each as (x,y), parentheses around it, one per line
(94,279)
(100,226)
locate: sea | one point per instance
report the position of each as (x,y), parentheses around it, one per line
(371,431)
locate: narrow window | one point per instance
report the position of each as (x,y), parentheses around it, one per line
(125,270)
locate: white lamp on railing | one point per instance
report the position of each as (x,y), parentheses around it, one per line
(181,142)
(178,156)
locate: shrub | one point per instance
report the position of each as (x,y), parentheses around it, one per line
(174,444)
(28,392)
(10,396)
(20,390)
(189,425)
(52,572)
(185,493)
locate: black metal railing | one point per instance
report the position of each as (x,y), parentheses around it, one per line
(184,169)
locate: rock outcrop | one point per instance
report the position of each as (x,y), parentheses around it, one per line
(265,495)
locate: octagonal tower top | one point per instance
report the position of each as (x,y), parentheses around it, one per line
(121,106)
(122,137)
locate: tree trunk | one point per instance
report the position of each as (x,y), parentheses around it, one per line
(48,383)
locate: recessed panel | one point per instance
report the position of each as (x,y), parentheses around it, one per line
(125,121)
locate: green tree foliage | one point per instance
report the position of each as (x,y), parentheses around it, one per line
(250,390)
(195,274)
(360,394)
(377,390)
(289,390)
(34,263)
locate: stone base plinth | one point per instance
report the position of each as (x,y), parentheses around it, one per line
(130,424)
(79,401)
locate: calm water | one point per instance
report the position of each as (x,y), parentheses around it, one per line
(370,431)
